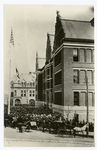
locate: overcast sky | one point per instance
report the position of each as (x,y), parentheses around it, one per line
(30,25)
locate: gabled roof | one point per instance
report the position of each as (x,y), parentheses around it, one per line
(78,29)
(25,78)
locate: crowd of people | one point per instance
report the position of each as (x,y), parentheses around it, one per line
(39,115)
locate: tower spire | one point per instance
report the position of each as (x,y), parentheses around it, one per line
(11,37)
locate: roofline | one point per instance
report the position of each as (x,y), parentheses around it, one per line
(75,20)
(79,40)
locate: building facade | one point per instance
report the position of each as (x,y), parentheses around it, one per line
(68,74)
(23,91)
(73,63)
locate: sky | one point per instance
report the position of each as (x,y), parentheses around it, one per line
(30,24)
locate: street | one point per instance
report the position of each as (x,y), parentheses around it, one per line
(37,138)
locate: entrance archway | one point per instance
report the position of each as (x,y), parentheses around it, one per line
(17,101)
(32,102)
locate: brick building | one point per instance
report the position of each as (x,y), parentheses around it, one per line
(72,60)
(44,76)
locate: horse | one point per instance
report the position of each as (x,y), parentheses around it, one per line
(79,129)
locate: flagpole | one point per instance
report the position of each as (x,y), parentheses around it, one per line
(9,87)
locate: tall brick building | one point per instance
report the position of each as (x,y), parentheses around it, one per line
(72,61)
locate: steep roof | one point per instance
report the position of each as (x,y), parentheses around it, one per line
(25,78)
(78,29)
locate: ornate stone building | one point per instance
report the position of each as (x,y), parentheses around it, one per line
(23,90)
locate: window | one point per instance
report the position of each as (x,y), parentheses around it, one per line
(33,83)
(88,55)
(82,76)
(89,75)
(24,83)
(93,100)
(15,93)
(33,91)
(83,99)
(30,83)
(75,76)
(33,94)
(75,54)
(58,98)
(76,98)
(58,59)
(48,71)
(58,78)
(22,93)
(30,93)
(12,94)
(90,99)
(82,55)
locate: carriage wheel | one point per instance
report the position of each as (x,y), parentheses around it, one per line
(61,132)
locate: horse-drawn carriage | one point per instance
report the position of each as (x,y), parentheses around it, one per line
(60,127)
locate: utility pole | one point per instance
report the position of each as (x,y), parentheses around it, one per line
(87,106)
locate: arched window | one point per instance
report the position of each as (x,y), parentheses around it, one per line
(17,101)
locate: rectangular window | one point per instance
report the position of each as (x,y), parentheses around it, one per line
(82,99)
(57,59)
(88,55)
(93,100)
(89,75)
(82,77)
(48,71)
(82,55)
(76,98)
(30,83)
(12,94)
(90,99)
(58,98)
(75,54)
(75,76)
(22,93)
(30,93)
(58,78)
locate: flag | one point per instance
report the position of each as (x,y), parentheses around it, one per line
(17,73)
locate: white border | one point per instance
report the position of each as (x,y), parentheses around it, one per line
(35,2)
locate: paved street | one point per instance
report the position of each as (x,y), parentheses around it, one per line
(36,138)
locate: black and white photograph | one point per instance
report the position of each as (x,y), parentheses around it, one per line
(49,75)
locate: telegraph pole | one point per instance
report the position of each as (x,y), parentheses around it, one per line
(87,106)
